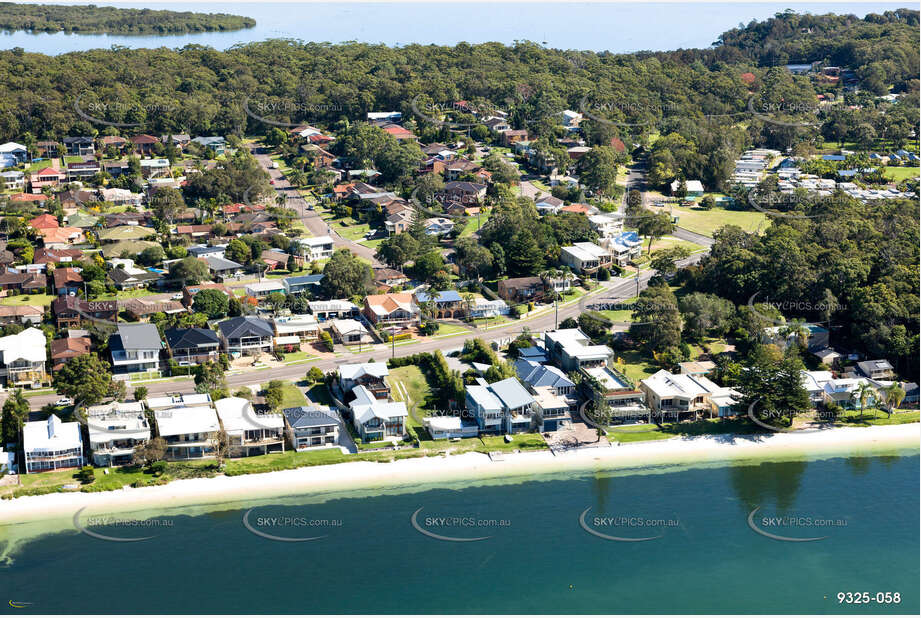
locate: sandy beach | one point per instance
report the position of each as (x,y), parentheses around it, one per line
(474,467)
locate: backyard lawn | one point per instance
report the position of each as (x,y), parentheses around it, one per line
(898,174)
(40,300)
(292,396)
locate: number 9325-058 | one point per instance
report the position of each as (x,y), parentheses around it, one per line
(866,598)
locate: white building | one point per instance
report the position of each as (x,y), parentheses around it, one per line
(376,419)
(303,326)
(669,394)
(261,289)
(52,444)
(250,433)
(571,349)
(607,226)
(189,432)
(585,257)
(23,357)
(316,248)
(115,429)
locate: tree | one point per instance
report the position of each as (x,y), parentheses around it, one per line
(665,261)
(656,320)
(209,378)
(428,265)
(274,394)
(15,411)
(708,202)
(151,255)
(150,452)
(863,393)
(345,275)
(167,203)
(397,250)
(221,446)
(598,170)
(213,303)
(705,314)
(140,393)
(773,385)
(893,396)
(314,375)
(85,379)
(189,270)
(238,251)
(655,226)
(524,256)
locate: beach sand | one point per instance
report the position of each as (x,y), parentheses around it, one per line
(428,472)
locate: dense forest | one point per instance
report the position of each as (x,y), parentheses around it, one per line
(91,19)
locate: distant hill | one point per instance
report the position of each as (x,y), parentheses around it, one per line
(89,19)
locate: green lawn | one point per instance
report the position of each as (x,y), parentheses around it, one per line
(349,228)
(319,394)
(899,174)
(668,242)
(449,329)
(706,222)
(877,417)
(292,396)
(636,433)
(637,366)
(125,294)
(40,300)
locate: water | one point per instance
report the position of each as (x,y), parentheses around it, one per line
(616,27)
(708,559)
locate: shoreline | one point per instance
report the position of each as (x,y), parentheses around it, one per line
(429,472)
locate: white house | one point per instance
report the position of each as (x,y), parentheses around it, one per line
(115,429)
(250,433)
(303,326)
(23,357)
(501,407)
(377,419)
(52,444)
(189,432)
(669,394)
(261,289)
(571,349)
(316,248)
(585,257)
(607,226)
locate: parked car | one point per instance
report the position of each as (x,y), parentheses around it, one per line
(64,401)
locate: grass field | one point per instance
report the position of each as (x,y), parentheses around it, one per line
(899,174)
(706,222)
(292,396)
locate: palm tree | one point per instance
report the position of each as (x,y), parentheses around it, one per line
(800,331)
(864,391)
(893,396)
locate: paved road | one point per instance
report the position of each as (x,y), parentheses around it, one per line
(636,179)
(693,237)
(312,220)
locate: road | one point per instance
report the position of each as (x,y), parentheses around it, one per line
(636,179)
(693,237)
(312,220)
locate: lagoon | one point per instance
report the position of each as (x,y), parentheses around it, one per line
(622,27)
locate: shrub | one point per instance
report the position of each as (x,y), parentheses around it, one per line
(86,475)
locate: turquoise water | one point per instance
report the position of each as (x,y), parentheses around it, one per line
(537,559)
(616,27)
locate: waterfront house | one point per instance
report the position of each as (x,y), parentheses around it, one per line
(375,419)
(620,393)
(250,433)
(671,395)
(52,445)
(309,427)
(115,429)
(876,369)
(502,407)
(189,431)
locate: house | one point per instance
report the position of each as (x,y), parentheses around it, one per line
(438,226)
(349,332)
(13,180)
(389,278)
(52,445)
(373,376)
(115,141)
(70,311)
(510,137)
(116,169)
(449,427)
(181,140)
(47,148)
(876,369)
(695,188)
(115,429)
(814,382)
(131,278)
(45,255)
(571,349)
(311,427)
(696,368)
(63,350)
(144,144)
(331,309)
(302,326)
(785,336)
(216,143)
(44,222)
(671,395)
(262,289)
(502,407)
(302,283)
(443,304)
(17,151)
(66,281)
(316,248)
(585,257)
(250,433)
(398,222)
(82,146)
(485,308)
(45,177)
(276,260)
(221,268)
(82,170)
(135,348)
(193,231)
(246,335)
(608,225)
(376,420)
(549,205)
(395,310)
(398,132)
(21,314)
(155,168)
(828,356)
(845,392)
(192,346)
(623,398)
(26,282)
(521,289)
(22,359)
(189,432)
(624,247)
(203,251)
(62,237)
(534,374)
(386,117)
(462,192)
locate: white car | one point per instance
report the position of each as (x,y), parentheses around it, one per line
(176,296)
(64,401)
